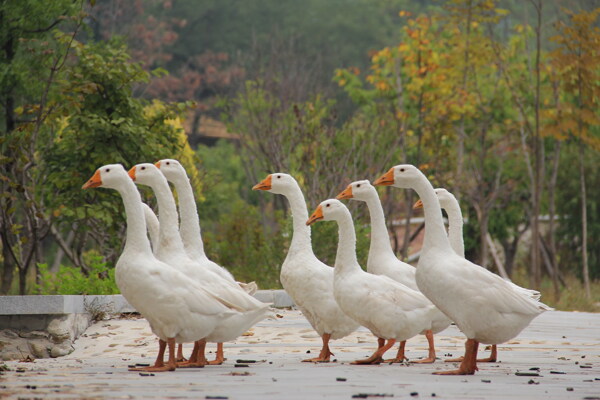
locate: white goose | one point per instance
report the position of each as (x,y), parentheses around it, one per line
(307,280)
(449,203)
(387,308)
(484,306)
(177,309)
(189,225)
(170,249)
(383,261)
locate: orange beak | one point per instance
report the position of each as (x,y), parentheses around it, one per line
(265,184)
(131,173)
(317,215)
(386,179)
(157,164)
(418,204)
(346,194)
(94,181)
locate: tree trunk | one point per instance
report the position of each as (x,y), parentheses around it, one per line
(501,270)
(510,251)
(8,268)
(461,129)
(536,279)
(586,272)
(8,98)
(22,281)
(483,234)
(552,213)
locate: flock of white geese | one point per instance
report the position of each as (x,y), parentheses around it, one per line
(187,298)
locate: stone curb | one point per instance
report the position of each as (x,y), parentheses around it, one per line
(58,304)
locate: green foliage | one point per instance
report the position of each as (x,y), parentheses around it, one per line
(243,245)
(71,280)
(224,176)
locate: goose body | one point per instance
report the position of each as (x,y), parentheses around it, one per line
(485,307)
(389,309)
(307,280)
(171,250)
(176,309)
(449,203)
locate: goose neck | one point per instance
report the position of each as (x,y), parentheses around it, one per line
(345,259)
(380,239)
(169,238)
(301,235)
(189,226)
(136,239)
(455,230)
(435,232)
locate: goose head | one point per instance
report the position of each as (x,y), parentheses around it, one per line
(171,169)
(278,183)
(403,176)
(359,190)
(328,210)
(109,176)
(145,174)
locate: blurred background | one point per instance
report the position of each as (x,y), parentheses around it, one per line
(497,101)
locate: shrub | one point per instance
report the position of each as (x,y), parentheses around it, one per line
(71,280)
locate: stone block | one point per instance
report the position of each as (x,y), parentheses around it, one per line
(266,296)
(62,349)
(282,299)
(34,334)
(39,348)
(60,328)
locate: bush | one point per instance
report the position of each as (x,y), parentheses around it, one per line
(249,250)
(71,280)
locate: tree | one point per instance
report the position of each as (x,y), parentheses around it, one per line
(33,56)
(69,108)
(577,60)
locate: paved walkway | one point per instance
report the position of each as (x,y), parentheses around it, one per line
(561,348)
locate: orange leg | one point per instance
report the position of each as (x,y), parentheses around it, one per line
(431,358)
(492,358)
(220,356)
(493,355)
(162,345)
(400,357)
(468,366)
(159,365)
(377,357)
(180,357)
(325,354)
(196,360)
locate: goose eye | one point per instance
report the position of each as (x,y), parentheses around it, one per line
(168,163)
(107,169)
(143,168)
(327,205)
(278,176)
(401,169)
(358,185)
